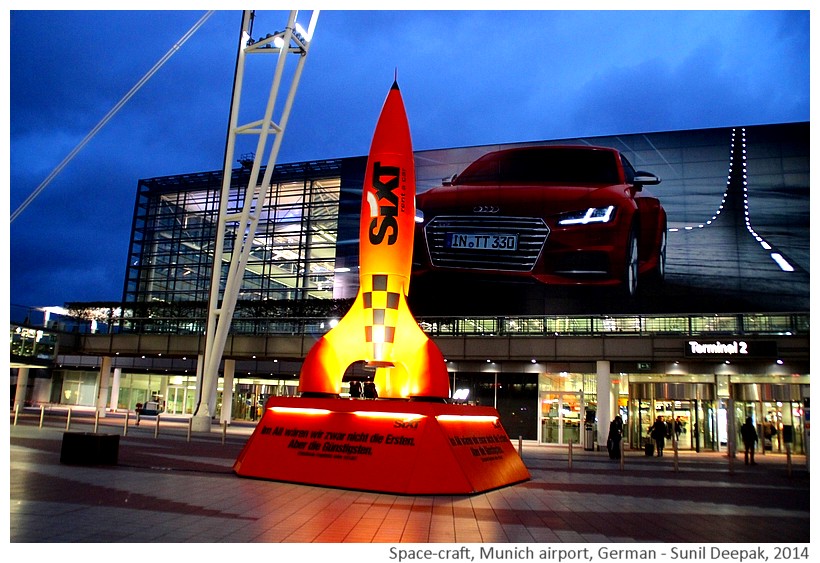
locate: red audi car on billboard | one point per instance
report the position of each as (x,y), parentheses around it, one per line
(555,214)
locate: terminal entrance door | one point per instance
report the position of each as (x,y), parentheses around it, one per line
(777,412)
(561,417)
(692,406)
(180,399)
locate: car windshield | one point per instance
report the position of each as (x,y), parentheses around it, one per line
(540,165)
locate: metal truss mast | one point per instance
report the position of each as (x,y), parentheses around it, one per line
(294,40)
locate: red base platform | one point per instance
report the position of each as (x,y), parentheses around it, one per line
(383,445)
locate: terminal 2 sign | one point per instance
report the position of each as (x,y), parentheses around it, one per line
(735,348)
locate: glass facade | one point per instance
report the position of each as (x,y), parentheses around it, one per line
(294,250)
(306,245)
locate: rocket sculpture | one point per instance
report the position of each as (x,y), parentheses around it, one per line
(379,328)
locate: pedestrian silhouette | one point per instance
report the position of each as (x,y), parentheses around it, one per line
(749,434)
(370,390)
(613,441)
(658,432)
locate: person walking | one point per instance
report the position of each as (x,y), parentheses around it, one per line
(658,432)
(678,428)
(748,433)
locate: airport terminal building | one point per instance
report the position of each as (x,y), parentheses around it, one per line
(723,336)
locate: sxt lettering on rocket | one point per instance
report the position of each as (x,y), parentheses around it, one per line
(387,213)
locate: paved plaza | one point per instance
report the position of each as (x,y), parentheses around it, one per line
(172,486)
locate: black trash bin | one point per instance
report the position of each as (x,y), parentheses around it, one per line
(648,447)
(89,448)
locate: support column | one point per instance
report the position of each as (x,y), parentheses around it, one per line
(105,380)
(604,393)
(115,390)
(227,391)
(731,428)
(163,391)
(203,411)
(22,386)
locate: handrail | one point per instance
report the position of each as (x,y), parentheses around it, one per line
(768,324)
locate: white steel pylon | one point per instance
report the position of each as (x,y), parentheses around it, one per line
(294,40)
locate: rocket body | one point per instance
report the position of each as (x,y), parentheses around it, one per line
(379,328)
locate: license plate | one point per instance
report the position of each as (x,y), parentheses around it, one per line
(476,241)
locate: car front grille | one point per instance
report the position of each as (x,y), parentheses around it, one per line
(532,233)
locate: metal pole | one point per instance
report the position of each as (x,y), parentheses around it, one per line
(125,425)
(789,460)
(520,445)
(224,430)
(68,419)
(255,198)
(675,450)
(190,425)
(96,420)
(42,414)
(622,453)
(156,427)
(16,411)
(569,455)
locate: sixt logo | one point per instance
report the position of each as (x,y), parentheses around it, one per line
(384,204)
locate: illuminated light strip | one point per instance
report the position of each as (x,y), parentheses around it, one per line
(776,256)
(383,414)
(467,417)
(299,410)
(590,217)
(782,262)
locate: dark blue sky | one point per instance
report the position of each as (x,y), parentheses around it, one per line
(467,78)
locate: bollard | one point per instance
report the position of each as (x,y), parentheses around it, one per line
(156,427)
(675,454)
(42,414)
(224,430)
(621,461)
(731,462)
(125,425)
(68,419)
(520,446)
(96,420)
(190,426)
(569,455)
(788,460)
(16,411)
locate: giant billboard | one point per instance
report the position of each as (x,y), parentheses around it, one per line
(515,229)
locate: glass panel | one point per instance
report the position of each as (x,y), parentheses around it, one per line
(617,324)
(293,251)
(717,324)
(550,404)
(562,416)
(571,417)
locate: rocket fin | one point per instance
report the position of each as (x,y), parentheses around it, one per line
(420,370)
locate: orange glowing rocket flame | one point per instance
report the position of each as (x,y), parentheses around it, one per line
(379,328)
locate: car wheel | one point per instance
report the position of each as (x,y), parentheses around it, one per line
(631,269)
(659,273)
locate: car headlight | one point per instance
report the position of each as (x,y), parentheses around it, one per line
(587,216)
